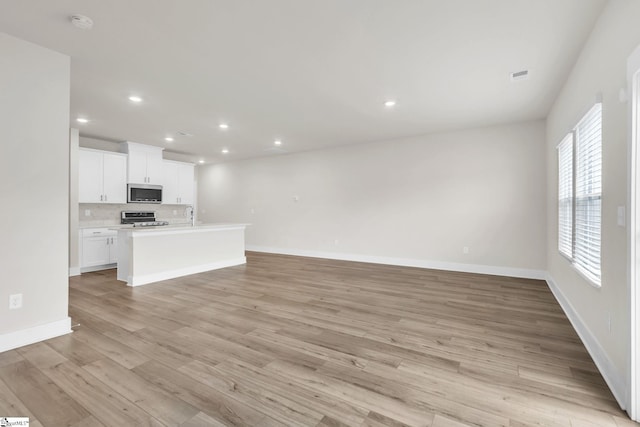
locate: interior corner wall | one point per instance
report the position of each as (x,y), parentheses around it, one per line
(599,71)
(34,181)
(416,201)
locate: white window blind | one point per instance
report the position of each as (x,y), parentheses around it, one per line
(588,192)
(580,194)
(565,196)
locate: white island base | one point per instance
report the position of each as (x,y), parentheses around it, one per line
(147,255)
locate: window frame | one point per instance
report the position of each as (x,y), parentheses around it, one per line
(581,264)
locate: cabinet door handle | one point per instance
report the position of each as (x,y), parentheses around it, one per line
(101,196)
(105,197)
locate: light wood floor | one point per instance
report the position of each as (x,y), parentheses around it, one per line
(306,342)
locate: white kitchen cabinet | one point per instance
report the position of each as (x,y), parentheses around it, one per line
(178,183)
(113,250)
(144,165)
(99,249)
(102,176)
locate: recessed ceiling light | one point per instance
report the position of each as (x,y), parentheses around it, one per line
(82,120)
(134,98)
(225,151)
(277,142)
(82,22)
(390,103)
(168,139)
(223,126)
(201,161)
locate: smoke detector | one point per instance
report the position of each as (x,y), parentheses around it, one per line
(82,22)
(519,75)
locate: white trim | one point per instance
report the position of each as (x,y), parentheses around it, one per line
(171,274)
(35,334)
(615,381)
(97,268)
(408,262)
(633,68)
(74,271)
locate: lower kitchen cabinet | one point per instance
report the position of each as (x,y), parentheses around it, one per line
(98,249)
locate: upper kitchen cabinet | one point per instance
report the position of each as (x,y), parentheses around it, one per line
(102,176)
(144,165)
(178,184)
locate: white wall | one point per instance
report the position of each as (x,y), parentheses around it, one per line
(34,184)
(600,69)
(74,255)
(418,199)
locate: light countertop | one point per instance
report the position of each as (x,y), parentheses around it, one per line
(115,226)
(178,228)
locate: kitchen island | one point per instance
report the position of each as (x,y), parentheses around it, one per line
(152,254)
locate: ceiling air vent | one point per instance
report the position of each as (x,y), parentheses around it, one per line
(182,133)
(519,75)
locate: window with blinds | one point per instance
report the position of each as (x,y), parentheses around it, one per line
(580,194)
(565,196)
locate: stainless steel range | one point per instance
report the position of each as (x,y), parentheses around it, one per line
(140,219)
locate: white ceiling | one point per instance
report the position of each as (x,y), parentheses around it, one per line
(314,73)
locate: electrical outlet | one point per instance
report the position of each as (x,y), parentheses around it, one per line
(465,250)
(15,301)
(336,242)
(175,212)
(87,212)
(296,198)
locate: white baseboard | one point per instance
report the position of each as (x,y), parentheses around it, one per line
(97,268)
(171,274)
(615,381)
(407,262)
(34,334)
(74,271)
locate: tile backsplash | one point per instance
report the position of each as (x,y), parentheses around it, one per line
(109,214)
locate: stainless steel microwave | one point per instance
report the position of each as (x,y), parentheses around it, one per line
(144,193)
